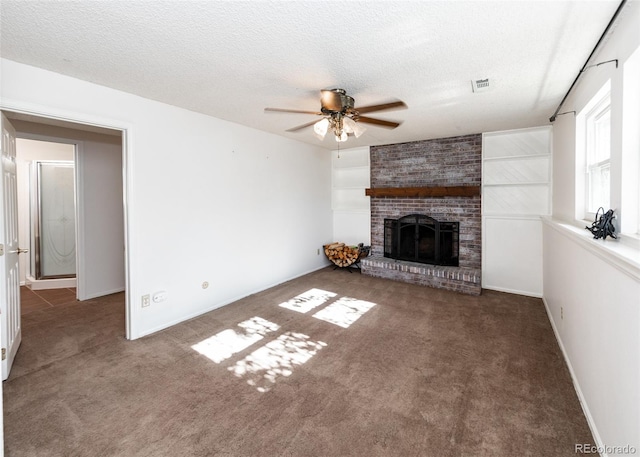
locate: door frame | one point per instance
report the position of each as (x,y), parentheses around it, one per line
(127,187)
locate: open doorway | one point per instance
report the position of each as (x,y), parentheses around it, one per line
(99,196)
(46,213)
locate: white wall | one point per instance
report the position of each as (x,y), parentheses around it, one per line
(100,219)
(593,300)
(595,311)
(26,152)
(207,200)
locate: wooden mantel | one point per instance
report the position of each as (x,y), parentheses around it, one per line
(421,192)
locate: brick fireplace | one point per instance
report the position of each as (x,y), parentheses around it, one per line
(416,171)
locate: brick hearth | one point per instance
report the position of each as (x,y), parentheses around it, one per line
(465,280)
(444,162)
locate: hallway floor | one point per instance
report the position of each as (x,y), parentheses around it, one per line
(38,300)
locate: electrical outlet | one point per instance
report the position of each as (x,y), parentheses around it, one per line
(146,300)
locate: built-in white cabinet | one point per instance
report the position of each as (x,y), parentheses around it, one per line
(516,192)
(350,176)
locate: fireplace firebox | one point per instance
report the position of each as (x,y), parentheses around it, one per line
(420,238)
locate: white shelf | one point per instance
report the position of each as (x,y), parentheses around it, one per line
(516,193)
(526,143)
(344,178)
(352,158)
(515,157)
(349,199)
(507,184)
(350,177)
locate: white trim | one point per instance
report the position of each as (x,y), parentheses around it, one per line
(512,291)
(81,285)
(132,318)
(619,255)
(62,115)
(47,284)
(576,384)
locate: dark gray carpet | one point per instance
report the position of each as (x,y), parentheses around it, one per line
(423,372)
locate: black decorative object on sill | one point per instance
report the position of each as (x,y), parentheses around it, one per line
(603,227)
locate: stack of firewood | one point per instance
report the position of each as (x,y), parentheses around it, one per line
(341,254)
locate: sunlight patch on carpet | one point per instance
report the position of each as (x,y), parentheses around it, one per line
(344,312)
(224,344)
(276,359)
(308,300)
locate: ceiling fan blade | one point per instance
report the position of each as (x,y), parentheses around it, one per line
(300,127)
(282,110)
(379,122)
(381,107)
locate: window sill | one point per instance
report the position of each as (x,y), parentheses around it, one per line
(623,254)
(631,240)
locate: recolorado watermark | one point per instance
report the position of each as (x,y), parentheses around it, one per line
(586,448)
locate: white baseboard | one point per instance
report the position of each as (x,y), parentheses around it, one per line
(576,383)
(514,291)
(44,284)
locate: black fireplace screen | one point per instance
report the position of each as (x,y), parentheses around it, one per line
(420,238)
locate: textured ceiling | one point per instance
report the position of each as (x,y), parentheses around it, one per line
(231,59)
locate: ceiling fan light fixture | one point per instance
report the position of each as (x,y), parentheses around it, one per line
(351,126)
(341,117)
(320,128)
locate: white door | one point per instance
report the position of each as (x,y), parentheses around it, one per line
(10,335)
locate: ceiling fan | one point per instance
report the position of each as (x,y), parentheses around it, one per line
(340,116)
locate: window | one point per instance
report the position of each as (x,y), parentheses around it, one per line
(593,149)
(608,152)
(598,155)
(630,191)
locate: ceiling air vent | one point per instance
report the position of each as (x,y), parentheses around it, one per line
(480,85)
